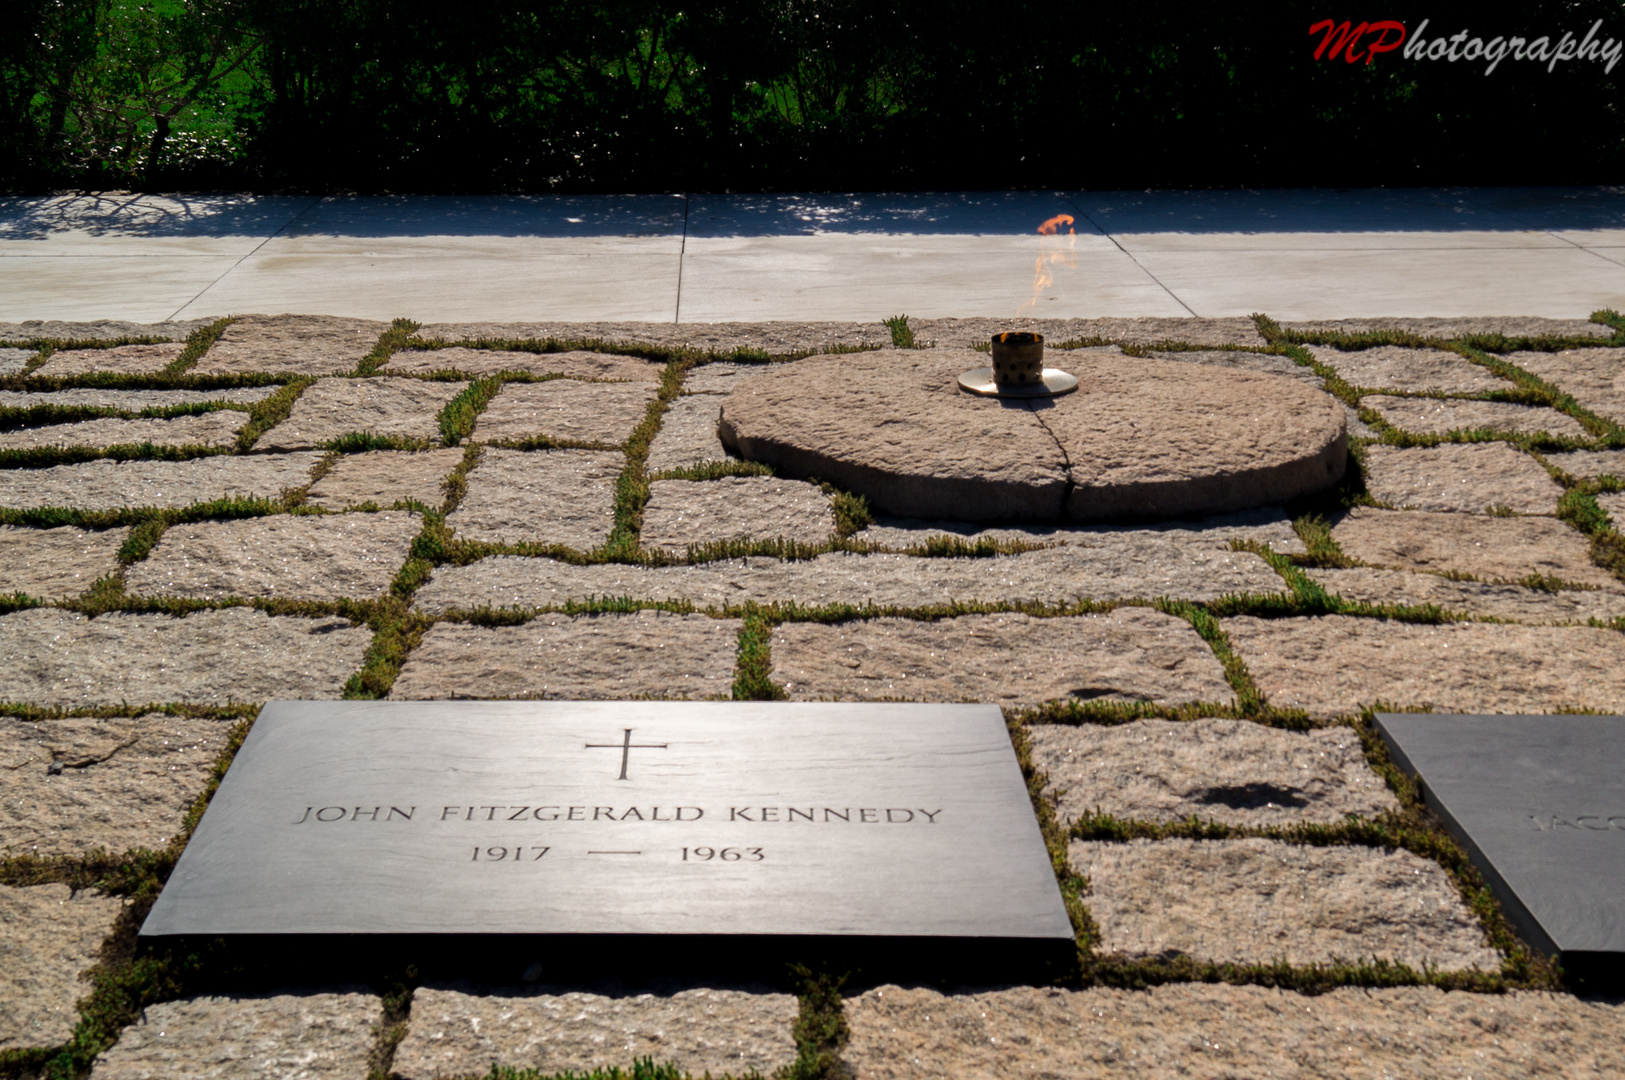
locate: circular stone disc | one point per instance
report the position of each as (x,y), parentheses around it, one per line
(1143,438)
(1054,381)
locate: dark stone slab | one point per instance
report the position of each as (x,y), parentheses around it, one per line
(1539,804)
(660,827)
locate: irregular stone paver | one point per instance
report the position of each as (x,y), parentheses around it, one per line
(1185,1031)
(1234,771)
(1507,325)
(965,333)
(473,363)
(1390,367)
(99,329)
(304,556)
(53,564)
(688,435)
(684,512)
(1269,526)
(704,1031)
(719,378)
(1506,549)
(218,428)
(1478,598)
(1333,665)
(1131,654)
(47,937)
(1057,575)
(541,496)
(13,361)
(296,1035)
(770,337)
(114,485)
(124,359)
(389,408)
(565,409)
(1228,358)
(131,401)
(302,344)
(1256,901)
(1465,477)
(1593,377)
(69,786)
(916,444)
(1590,464)
(587,657)
(57,658)
(1437,416)
(385,477)
(1613,504)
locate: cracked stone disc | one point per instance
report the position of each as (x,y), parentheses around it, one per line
(1143,438)
(1051,383)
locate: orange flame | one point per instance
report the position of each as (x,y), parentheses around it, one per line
(1053,251)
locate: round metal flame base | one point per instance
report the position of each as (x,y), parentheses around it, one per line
(1052,383)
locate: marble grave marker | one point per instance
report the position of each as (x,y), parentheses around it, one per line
(647,818)
(1539,804)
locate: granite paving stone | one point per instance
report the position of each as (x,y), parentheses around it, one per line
(12,361)
(1481,599)
(1438,416)
(1266,363)
(1130,654)
(294,1034)
(1593,377)
(775,338)
(298,344)
(116,485)
(304,556)
(99,329)
(1212,1031)
(385,477)
(1056,575)
(1269,526)
(1391,367)
(48,935)
(687,435)
(69,786)
(1505,549)
(1590,464)
(565,409)
(212,429)
(1613,504)
(122,359)
(1256,901)
(584,657)
(52,657)
(388,408)
(966,333)
(684,512)
(719,378)
(540,496)
(455,1032)
(131,401)
(1334,665)
(54,564)
(476,363)
(1446,328)
(1463,477)
(1233,771)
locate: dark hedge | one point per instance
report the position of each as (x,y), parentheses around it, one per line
(656,95)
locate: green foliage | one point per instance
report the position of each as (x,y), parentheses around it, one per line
(902,334)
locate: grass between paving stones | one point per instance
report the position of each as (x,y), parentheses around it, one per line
(399,333)
(902,334)
(715,470)
(13,417)
(270,411)
(198,342)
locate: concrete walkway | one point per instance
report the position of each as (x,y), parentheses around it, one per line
(1553,252)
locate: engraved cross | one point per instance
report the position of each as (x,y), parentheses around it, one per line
(625,746)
